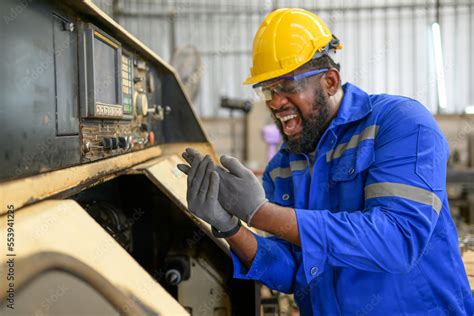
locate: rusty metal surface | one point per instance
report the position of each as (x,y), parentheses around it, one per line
(64,228)
(29,190)
(176,149)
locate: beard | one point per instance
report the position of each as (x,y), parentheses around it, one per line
(312,127)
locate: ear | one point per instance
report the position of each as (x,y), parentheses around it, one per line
(332,81)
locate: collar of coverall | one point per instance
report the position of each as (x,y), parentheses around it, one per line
(355,105)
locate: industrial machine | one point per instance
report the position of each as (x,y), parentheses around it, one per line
(93,217)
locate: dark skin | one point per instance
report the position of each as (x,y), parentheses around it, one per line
(274,219)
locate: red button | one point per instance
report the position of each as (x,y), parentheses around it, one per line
(151,138)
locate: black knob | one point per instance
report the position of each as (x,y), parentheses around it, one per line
(114,143)
(122,142)
(173,277)
(107,143)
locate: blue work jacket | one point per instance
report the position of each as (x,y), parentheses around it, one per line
(377,236)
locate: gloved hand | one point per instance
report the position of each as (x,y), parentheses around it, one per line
(240,192)
(203,187)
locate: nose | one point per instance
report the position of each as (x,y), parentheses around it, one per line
(277,101)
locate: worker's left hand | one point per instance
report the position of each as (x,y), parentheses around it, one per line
(240,192)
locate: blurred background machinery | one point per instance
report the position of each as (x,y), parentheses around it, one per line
(459,132)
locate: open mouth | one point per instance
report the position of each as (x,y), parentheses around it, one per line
(291,124)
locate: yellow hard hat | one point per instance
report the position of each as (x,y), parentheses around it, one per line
(287,39)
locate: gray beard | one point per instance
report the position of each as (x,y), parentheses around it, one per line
(313,126)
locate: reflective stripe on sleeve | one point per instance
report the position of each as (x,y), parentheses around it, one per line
(409,192)
(368,133)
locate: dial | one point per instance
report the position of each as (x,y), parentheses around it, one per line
(141,102)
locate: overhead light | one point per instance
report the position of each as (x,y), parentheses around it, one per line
(440,79)
(469,109)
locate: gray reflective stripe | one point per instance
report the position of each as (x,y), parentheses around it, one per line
(409,192)
(280,173)
(296,165)
(368,133)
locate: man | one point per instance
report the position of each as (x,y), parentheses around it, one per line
(355,198)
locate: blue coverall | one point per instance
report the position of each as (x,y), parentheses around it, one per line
(377,236)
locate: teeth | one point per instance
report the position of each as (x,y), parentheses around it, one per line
(288,117)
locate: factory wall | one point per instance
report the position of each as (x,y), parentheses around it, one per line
(388,45)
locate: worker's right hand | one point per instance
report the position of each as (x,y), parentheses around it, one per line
(202,193)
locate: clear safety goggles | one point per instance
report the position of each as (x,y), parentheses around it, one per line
(285,85)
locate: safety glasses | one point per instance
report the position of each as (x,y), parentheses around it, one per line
(285,85)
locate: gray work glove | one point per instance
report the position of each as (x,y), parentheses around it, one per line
(203,188)
(240,192)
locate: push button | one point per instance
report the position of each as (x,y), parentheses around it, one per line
(107,143)
(114,142)
(122,142)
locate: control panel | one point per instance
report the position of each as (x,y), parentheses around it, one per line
(119,103)
(77,88)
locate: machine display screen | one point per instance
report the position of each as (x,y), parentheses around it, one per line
(105,72)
